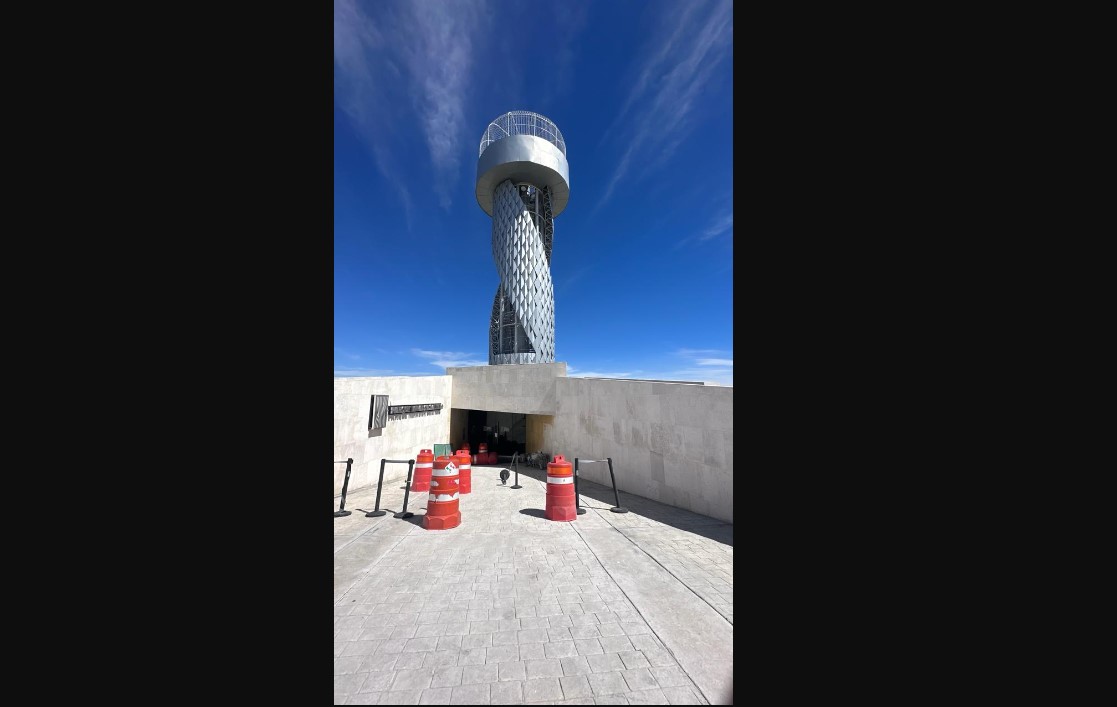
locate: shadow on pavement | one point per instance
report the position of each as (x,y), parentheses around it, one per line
(392,511)
(597,496)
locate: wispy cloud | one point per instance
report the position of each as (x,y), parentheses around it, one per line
(600,374)
(699,352)
(570,279)
(439,55)
(709,365)
(722,223)
(375,373)
(711,371)
(566,21)
(717,376)
(673,27)
(425,46)
(715,362)
(359,86)
(442,359)
(346,354)
(689,46)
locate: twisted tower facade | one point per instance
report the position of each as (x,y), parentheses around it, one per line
(523,183)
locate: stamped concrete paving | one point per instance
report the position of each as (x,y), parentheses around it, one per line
(512,608)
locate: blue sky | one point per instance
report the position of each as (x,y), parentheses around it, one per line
(642,260)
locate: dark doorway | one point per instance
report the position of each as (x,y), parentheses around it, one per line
(504,432)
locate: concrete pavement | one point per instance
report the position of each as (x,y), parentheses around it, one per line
(512,608)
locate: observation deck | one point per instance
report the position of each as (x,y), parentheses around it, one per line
(524,147)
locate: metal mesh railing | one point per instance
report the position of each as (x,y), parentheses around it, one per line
(522,122)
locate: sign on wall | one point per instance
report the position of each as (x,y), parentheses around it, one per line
(378,414)
(380,411)
(404,409)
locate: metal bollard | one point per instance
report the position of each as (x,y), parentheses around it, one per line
(380,482)
(516,466)
(406,490)
(344,487)
(616,496)
(577,499)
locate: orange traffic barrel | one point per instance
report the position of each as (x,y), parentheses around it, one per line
(482,448)
(424,462)
(465,470)
(442,500)
(560,490)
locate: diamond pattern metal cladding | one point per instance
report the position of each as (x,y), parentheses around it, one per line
(525,275)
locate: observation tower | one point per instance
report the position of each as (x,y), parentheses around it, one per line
(523,183)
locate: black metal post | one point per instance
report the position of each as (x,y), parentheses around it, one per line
(516,466)
(618,508)
(380,482)
(344,487)
(406,490)
(577,499)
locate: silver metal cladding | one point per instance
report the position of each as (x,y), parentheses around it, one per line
(523,158)
(524,325)
(523,182)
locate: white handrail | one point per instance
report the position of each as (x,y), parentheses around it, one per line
(522,122)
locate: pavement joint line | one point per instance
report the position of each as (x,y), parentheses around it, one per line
(677,579)
(370,568)
(665,569)
(372,529)
(629,600)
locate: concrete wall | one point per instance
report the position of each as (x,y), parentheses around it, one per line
(403,436)
(526,388)
(669,442)
(459,420)
(535,431)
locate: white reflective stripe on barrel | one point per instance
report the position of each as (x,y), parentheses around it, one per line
(560,479)
(450,470)
(464,466)
(442,497)
(425,465)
